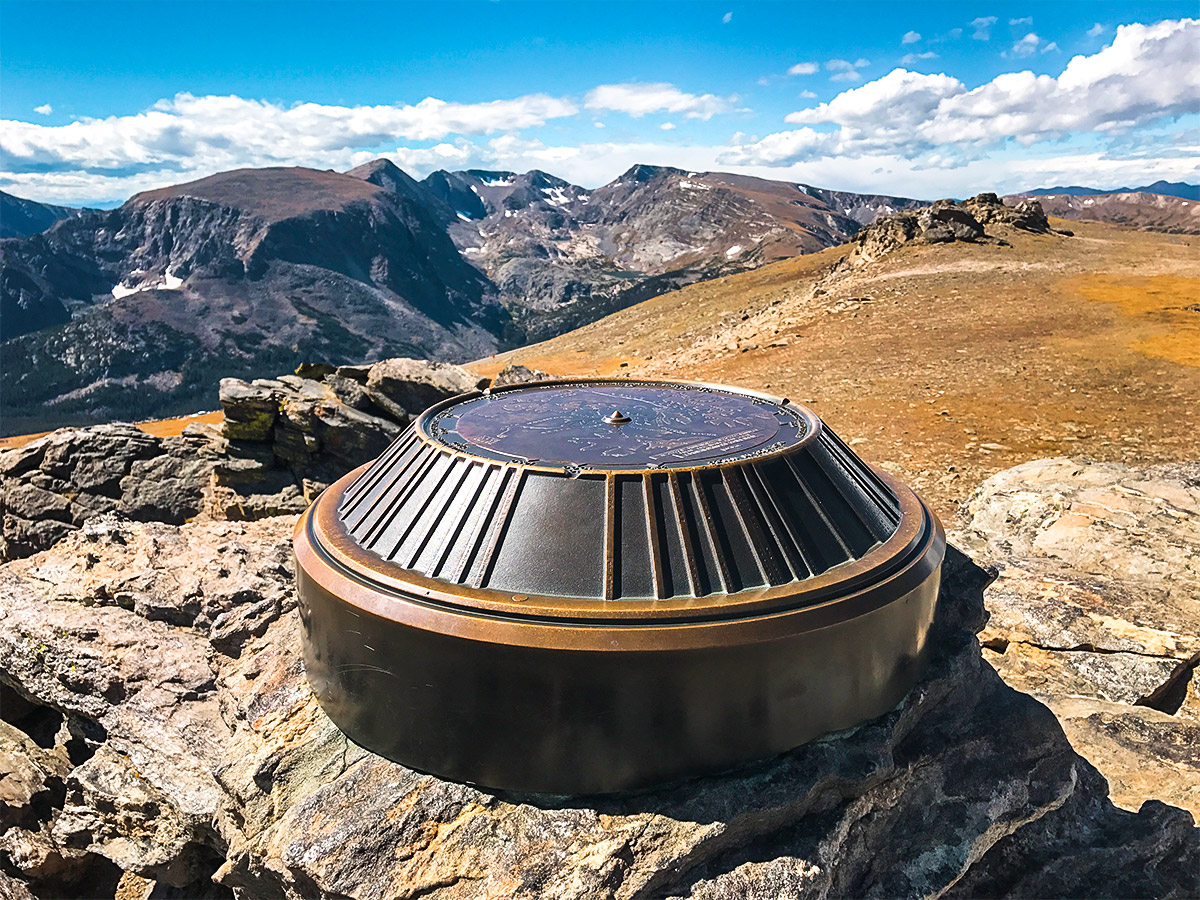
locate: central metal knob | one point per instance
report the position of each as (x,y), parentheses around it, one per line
(616,417)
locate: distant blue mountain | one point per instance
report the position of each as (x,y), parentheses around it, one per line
(1169,188)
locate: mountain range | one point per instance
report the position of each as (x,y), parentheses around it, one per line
(130,312)
(1137,209)
(1179,189)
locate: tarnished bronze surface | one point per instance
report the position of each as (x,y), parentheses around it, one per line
(579,587)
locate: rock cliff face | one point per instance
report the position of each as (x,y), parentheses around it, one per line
(160,730)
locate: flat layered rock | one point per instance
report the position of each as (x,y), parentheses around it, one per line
(1096,611)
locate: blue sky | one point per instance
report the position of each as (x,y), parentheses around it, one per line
(101,100)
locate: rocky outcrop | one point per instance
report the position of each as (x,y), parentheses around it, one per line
(1096,611)
(946,221)
(1024,214)
(518,374)
(282,442)
(180,744)
(53,485)
(287,439)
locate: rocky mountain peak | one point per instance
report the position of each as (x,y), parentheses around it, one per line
(643,172)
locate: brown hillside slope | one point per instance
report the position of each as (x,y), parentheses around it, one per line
(945,363)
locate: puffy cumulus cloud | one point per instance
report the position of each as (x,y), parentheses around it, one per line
(667,126)
(44,110)
(910,37)
(983,27)
(804,68)
(907,96)
(638,99)
(1146,74)
(229,131)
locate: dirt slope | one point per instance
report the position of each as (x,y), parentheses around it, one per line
(943,363)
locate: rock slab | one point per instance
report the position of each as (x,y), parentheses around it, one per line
(1096,611)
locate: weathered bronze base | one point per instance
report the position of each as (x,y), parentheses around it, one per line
(533,704)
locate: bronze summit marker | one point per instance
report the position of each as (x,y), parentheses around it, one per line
(592,586)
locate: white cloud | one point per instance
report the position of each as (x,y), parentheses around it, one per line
(44,110)
(844,70)
(804,68)
(1024,20)
(909,59)
(910,37)
(983,27)
(1096,30)
(808,95)
(1051,47)
(1027,45)
(593,164)
(1147,73)
(904,133)
(667,126)
(727,18)
(640,98)
(221,132)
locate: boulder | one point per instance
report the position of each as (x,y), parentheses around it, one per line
(518,374)
(944,222)
(205,757)
(405,387)
(51,486)
(1096,614)
(250,408)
